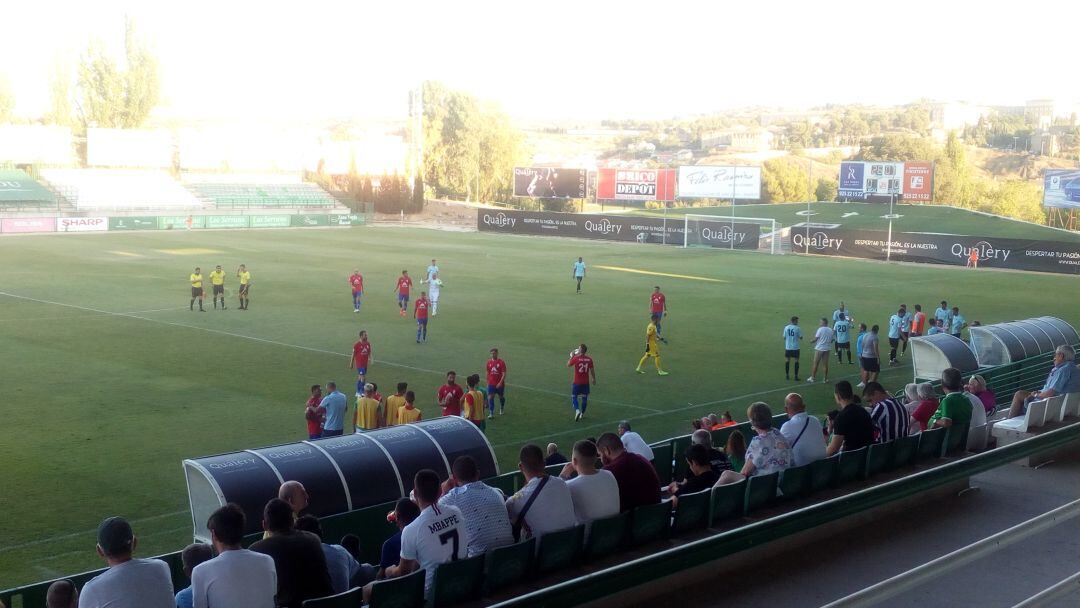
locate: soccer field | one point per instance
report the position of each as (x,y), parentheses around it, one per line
(110,381)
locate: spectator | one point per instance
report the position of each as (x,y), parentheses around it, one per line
(294,493)
(853,428)
(802,431)
(594,492)
(978,414)
(345,571)
(351,543)
(436,536)
(717,459)
(61,594)
(633,442)
(334,404)
(768,452)
(544,504)
(911,396)
(129,582)
(1056,382)
(553,456)
(637,479)
(237,576)
(484,508)
(696,424)
(298,557)
(192,555)
(701,475)
(977,386)
(889,417)
(405,512)
(314,413)
(450,394)
(735,449)
(954,409)
(726,420)
(928,404)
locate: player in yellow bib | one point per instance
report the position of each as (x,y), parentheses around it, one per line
(472,402)
(217,282)
(652,349)
(368,411)
(394,403)
(408,413)
(245,285)
(196,289)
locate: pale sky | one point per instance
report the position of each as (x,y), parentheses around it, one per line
(560,59)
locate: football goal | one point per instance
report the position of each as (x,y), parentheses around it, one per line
(733,232)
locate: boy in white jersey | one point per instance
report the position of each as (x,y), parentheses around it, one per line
(791,335)
(436,537)
(433,291)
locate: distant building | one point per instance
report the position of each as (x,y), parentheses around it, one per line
(951,116)
(1046,142)
(1045,112)
(740,139)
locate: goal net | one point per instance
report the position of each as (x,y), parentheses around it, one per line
(732,232)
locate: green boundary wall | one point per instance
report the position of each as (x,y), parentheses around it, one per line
(185,222)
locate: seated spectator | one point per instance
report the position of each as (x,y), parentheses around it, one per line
(436,536)
(768,452)
(544,504)
(735,450)
(638,483)
(298,557)
(955,408)
(237,576)
(345,571)
(483,507)
(294,493)
(1056,382)
(192,555)
(633,442)
(701,475)
(978,410)
(706,423)
(405,512)
(351,543)
(911,396)
(722,422)
(889,417)
(928,404)
(594,492)
(976,385)
(61,594)
(802,431)
(853,428)
(717,459)
(129,582)
(695,424)
(553,456)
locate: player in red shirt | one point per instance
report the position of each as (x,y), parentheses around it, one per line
(361,357)
(357,281)
(496,383)
(658,310)
(584,368)
(314,413)
(420,313)
(450,395)
(403,285)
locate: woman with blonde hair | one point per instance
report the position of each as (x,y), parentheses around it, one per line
(976,385)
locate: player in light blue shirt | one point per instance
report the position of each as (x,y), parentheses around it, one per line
(905,329)
(859,339)
(937,327)
(842,328)
(579,273)
(957,322)
(943,313)
(335,404)
(842,312)
(792,334)
(432,270)
(895,322)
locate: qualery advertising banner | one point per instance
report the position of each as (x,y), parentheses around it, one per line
(723,182)
(82,224)
(550,182)
(1061,188)
(636,184)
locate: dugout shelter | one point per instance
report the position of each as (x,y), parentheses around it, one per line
(1004,343)
(931,355)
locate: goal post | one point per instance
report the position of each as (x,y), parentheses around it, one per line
(733,232)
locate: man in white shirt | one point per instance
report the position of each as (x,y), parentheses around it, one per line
(823,343)
(595,493)
(437,536)
(633,441)
(237,576)
(129,582)
(543,505)
(802,431)
(484,508)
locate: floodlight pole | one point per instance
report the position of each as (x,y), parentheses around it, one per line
(888,243)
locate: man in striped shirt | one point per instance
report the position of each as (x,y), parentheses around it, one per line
(889,416)
(487,523)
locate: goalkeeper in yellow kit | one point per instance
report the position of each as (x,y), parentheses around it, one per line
(652,349)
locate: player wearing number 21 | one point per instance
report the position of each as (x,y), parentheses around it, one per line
(583,369)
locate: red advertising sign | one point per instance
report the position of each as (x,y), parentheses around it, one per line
(918,182)
(636,184)
(28,224)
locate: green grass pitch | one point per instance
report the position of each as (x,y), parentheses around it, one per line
(109,380)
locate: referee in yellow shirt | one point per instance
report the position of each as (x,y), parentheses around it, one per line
(196,289)
(217,281)
(245,285)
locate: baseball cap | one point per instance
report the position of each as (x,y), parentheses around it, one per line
(115,536)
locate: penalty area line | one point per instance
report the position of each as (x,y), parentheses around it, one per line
(661,274)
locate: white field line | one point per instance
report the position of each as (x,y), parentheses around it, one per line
(53,539)
(222,332)
(95,314)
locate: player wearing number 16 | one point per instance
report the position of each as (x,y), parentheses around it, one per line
(584,369)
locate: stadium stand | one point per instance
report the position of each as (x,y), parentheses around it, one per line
(120,189)
(20,191)
(249,195)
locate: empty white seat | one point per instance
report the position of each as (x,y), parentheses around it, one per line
(1054,406)
(1033,418)
(977,438)
(1071,406)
